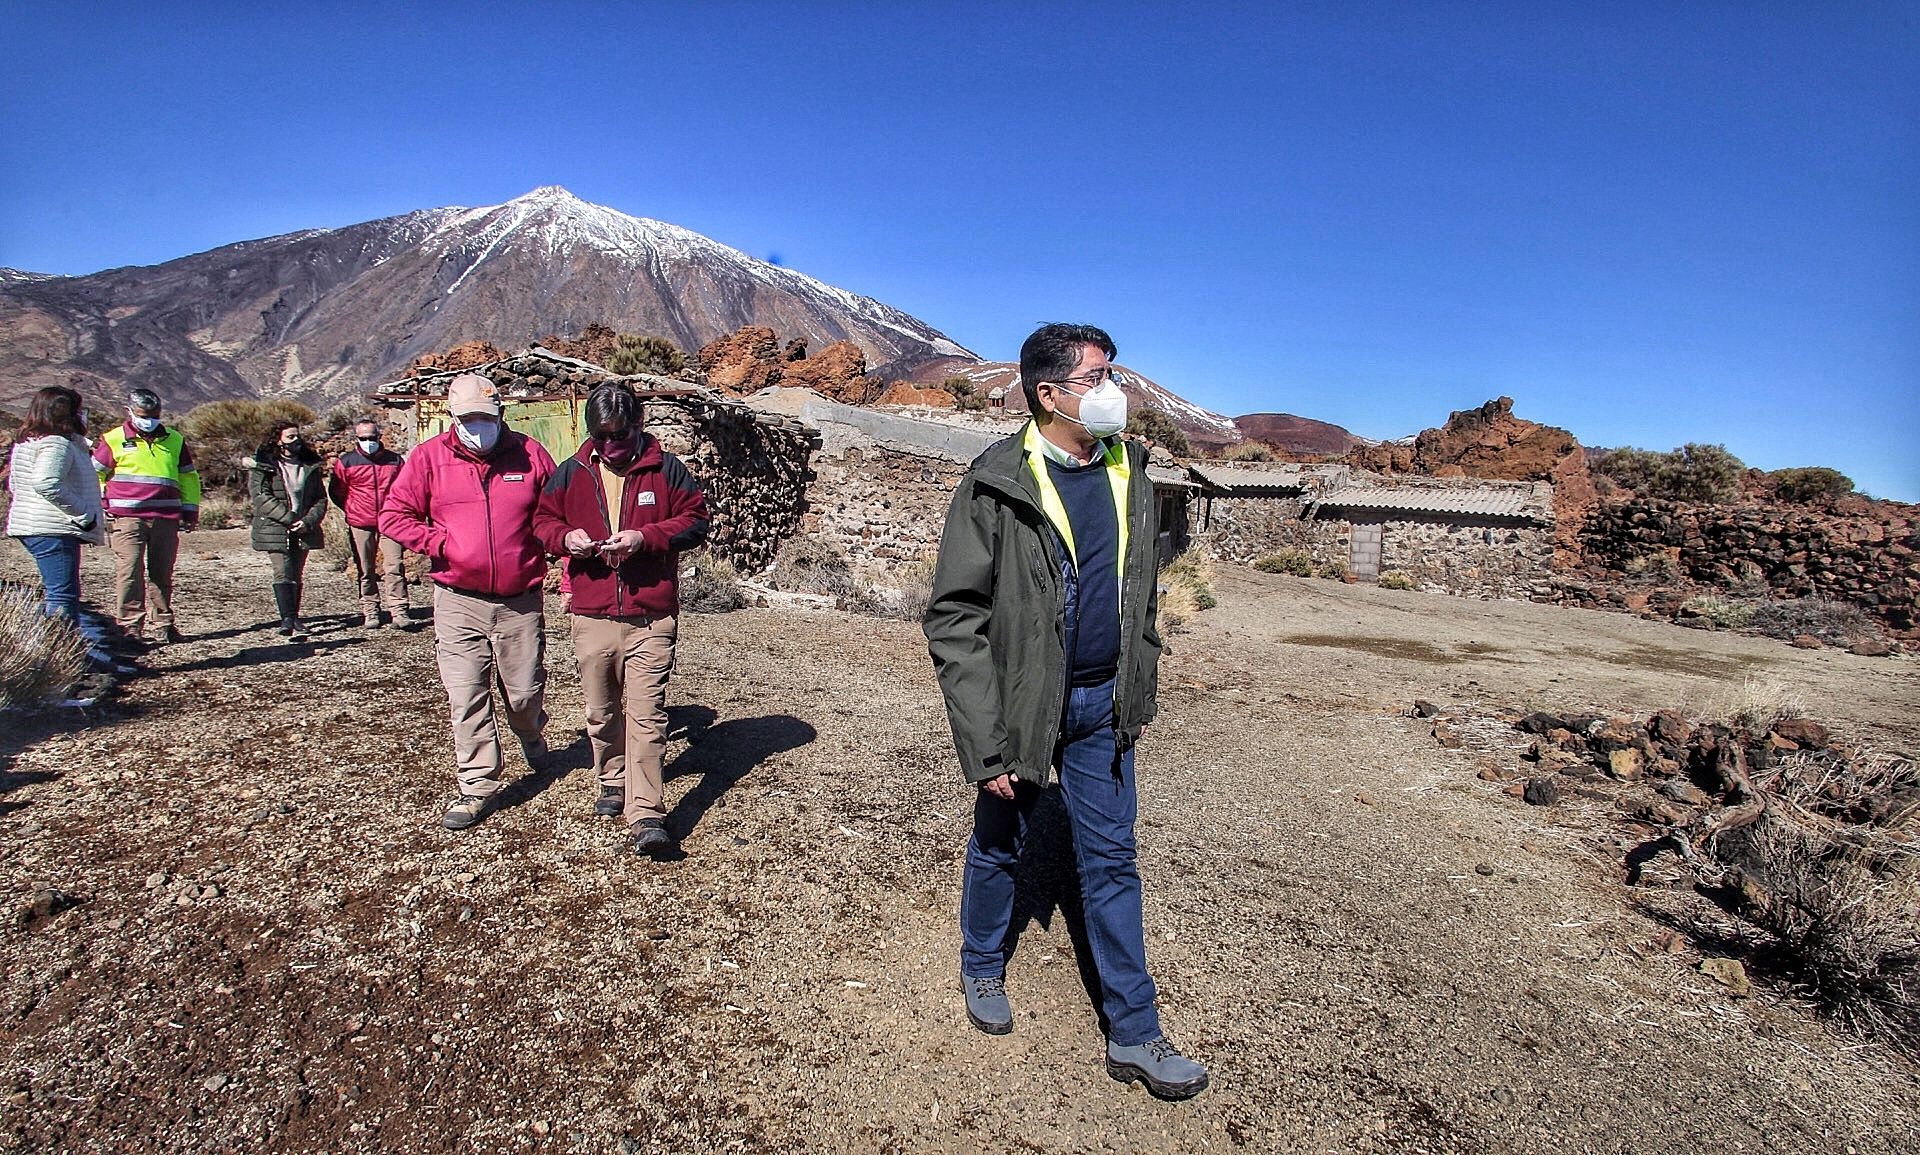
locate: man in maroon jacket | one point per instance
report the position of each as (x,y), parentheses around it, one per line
(465,499)
(622,509)
(359,483)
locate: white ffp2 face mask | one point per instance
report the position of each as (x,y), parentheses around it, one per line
(1103,410)
(480,436)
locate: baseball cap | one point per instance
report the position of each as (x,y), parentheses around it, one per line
(472,393)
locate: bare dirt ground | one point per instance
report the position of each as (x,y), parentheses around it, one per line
(273,946)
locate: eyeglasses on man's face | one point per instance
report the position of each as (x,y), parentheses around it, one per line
(1093,380)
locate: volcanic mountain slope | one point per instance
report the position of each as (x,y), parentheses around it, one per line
(1206,429)
(1297,436)
(321,314)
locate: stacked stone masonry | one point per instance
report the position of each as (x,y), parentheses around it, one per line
(1872,561)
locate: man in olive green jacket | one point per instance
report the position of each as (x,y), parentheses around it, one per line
(1041,627)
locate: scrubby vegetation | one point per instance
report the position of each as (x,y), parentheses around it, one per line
(1250,453)
(1691,473)
(709,584)
(1295,562)
(1394,579)
(220,433)
(38,654)
(1813,483)
(1159,428)
(1186,588)
(966,395)
(633,353)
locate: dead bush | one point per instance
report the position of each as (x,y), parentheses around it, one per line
(1294,562)
(220,510)
(1186,588)
(813,565)
(916,590)
(337,550)
(709,584)
(1837,623)
(1838,902)
(38,655)
(1395,579)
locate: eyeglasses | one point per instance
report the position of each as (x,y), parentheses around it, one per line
(1092,380)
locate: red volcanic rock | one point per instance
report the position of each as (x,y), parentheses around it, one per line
(744,361)
(838,371)
(464,356)
(906,393)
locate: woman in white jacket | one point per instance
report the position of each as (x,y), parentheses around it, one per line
(56,495)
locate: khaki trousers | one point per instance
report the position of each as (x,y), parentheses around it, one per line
(378,562)
(478,642)
(623,664)
(144,550)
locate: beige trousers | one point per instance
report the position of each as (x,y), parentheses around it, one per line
(383,579)
(144,550)
(478,642)
(623,664)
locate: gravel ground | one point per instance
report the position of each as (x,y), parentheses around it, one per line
(272,945)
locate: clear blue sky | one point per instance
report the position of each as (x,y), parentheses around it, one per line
(1650,223)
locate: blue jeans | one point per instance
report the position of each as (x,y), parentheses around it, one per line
(58,558)
(1096,782)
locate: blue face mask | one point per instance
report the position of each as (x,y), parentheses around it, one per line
(146,424)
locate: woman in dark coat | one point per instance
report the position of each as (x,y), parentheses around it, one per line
(288,486)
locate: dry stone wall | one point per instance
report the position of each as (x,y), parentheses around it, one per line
(883,507)
(755,468)
(1467,560)
(1870,560)
(1245,529)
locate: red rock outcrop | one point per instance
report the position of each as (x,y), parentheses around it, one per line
(744,361)
(464,356)
(907,393)
(838,371)
(1295,436)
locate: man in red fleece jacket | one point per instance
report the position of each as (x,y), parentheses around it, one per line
(622,509)
(465,499)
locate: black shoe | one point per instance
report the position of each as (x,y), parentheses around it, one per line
(650,838)
(294,629)
(168,636)
(612,800)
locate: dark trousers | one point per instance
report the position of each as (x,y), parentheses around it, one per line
(1096,782)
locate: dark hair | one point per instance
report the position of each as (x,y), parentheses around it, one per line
(270,448)
(1053,352)
(143,399)
(612,405)
(53,412)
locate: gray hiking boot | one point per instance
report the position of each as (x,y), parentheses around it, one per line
(610,804)
(650,838)
(1160,1065)
(469,811)
(987,1003)
(534,749)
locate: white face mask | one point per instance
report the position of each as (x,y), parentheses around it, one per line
(1103,410)
(369,445)
(145,424)
(479,436)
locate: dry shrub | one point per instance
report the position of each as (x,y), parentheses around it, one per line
(1294,562)
(220,510)
(1394,579)
(38,655)
(1835,622)
(1754,705)
(916,590)
(1832,873)
(1186,588)
(709,584)
(1726,613)
(813,565)
(1249,452)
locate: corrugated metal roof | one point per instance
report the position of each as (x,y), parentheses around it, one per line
(1517,503)
(1241,477)
(1161,475)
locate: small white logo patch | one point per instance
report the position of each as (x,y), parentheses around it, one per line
(513,477)
(646,498)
